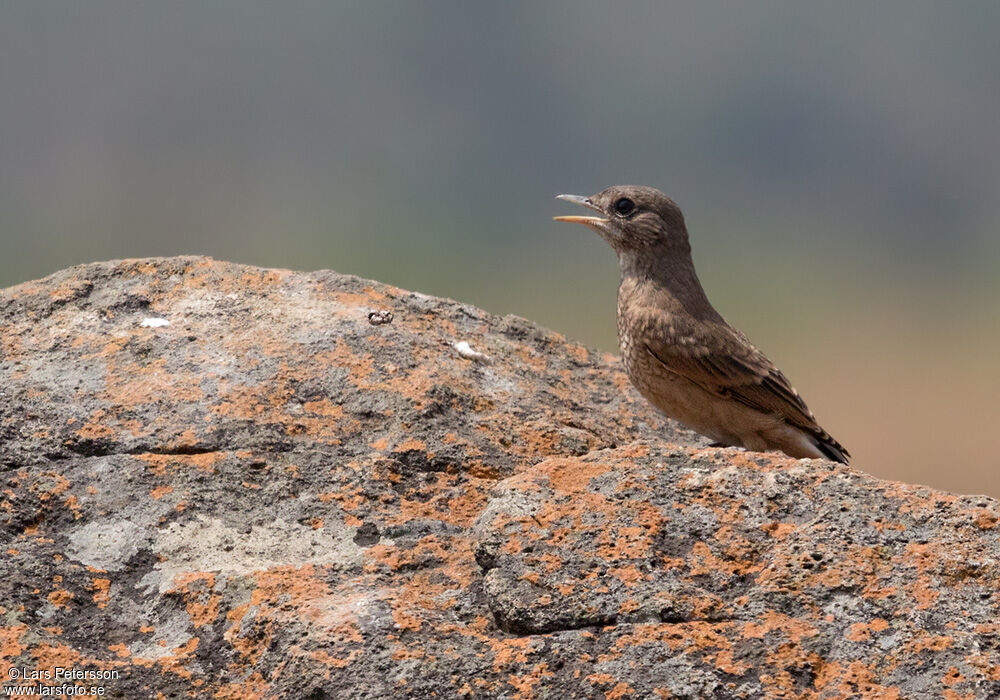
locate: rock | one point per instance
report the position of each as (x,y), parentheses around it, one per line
(264,493)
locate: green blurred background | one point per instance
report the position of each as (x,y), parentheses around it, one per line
(838,164)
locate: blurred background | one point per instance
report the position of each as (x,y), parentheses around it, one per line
(838,164)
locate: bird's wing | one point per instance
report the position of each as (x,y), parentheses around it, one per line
(722,361)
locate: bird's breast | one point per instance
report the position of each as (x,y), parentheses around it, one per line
(673,394)
(633,337)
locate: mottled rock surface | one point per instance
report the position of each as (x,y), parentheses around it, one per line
(227,482)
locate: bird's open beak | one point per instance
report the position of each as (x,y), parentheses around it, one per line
(597,222)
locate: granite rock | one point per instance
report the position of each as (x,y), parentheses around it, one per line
(222,481)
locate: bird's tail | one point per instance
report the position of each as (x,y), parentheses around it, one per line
(831,448)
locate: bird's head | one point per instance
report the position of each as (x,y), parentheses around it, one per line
(635,220)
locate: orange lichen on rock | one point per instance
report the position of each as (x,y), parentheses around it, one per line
(60,598)
(101,588)
(863,631)
(160,464)
(200,600)
(10,646)
(161,491)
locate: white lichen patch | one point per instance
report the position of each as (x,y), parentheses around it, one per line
(171,633)
(106,544)
(466,352)
(152,322)
(209,544)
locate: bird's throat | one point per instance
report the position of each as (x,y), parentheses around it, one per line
(667,276)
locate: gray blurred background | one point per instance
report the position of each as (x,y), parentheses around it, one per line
(838,164)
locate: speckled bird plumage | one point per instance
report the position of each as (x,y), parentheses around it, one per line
(678,351)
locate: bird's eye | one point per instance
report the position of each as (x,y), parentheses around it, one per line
(624,206)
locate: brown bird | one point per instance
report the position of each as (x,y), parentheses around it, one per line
(678,351)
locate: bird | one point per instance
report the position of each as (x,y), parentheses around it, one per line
(678,351)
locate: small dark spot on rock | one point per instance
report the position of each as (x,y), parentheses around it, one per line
(486,556)
(672,616)
(130,302)
(367,535)
(818,556)
(418,462)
